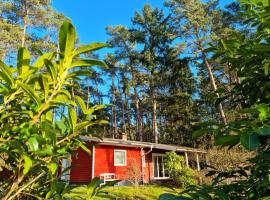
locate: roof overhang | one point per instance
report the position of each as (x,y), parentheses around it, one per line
(130,143)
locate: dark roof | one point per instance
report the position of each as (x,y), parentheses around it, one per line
(120,142)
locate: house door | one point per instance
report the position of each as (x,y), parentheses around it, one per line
(81,167)
(159,171)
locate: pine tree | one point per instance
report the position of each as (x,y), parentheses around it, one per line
(198,23)
(32,22)
(152,30)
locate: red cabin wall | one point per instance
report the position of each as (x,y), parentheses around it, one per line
(81,167)
(148,168)
(104,160)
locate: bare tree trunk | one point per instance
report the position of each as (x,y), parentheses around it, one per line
(123,117)
(137,107)
(114,115)
(25,23)
(211,75)
(138,117)
(213,83)
(154,118)
(154,110)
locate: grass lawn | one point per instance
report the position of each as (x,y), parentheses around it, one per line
(149,192)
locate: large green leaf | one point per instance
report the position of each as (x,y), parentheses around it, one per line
(263,111)
(51,69)
(30,92)
(85,148)
(6,74)
(27,164)
(227,140)
(40,61)
(198,133)
(52,167)
(67,37)
(43,82)
(168,196)
(265,130)
(23,60)
(61,126)
(92,187)
(86,124)
(80,101)
(89,48)
(88,63)
(72,117)
(250,141)
(95,108)
(75,74)
(32,143)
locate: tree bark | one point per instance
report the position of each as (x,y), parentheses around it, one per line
(213,83)
(123,117)
(25,23)
(137,106)
(211,75)
(114,115)
(154,118)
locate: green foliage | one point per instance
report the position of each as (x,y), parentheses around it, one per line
(87,192)
(145,192)
(181,174)
(38,117)
(247,56)
(33,21)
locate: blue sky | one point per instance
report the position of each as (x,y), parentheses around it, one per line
(92,16)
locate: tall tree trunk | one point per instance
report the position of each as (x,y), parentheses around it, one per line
(154,110)
(211,75)
(137,106)
(138,116)
(154,118)
(25,23)
(213,83)
(114,115)
(124,126)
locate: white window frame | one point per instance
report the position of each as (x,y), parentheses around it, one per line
(160,155)
(125,154)
(66,163)
(143,161)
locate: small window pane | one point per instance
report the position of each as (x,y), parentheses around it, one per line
(155,166)
(119,158)
(160,166)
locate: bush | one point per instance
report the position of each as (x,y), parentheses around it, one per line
(181,174)
(133,173)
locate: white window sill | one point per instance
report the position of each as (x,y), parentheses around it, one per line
(161,178)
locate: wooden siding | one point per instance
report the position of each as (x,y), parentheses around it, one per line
(104,161)
(81,167)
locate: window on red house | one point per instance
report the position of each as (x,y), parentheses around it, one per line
(158,166)
(120,157)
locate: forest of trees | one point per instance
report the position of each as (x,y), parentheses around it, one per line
(160,81)
(191,73)
(163,81)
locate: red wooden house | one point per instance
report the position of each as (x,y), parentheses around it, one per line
(120,156)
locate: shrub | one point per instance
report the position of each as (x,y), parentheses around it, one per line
(181,174)
(133,172)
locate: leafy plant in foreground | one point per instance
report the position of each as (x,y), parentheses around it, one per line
(38,119)
(248,56)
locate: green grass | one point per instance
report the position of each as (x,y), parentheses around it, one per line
(149,192)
